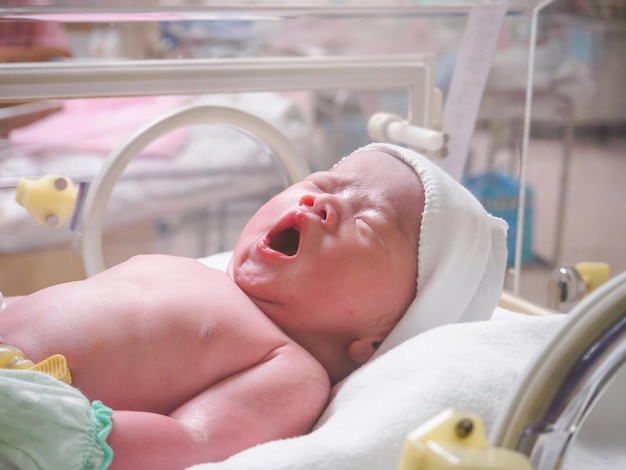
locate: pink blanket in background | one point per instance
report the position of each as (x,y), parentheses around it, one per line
(100,125)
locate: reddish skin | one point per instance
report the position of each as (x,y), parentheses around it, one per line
(199,367)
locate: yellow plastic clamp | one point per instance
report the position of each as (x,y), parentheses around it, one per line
(593,273)
(55,365)
(456,441)
(50,199)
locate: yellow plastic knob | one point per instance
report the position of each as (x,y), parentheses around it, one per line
(13,358)
(456,441)
(50,199)
(594,274)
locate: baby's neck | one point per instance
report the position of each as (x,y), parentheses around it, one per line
(330,349)
(331,353)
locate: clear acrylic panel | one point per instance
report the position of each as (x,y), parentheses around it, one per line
(78,64)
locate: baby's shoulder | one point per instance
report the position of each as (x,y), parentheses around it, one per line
(163,282)
(306,367)
(160,263)
(301,382)
(161,271)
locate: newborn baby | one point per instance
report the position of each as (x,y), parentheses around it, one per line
(199,364)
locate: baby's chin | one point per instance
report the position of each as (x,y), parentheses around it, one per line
(243,270)
(234,265)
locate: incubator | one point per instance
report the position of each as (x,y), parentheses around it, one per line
(162,127)
(318,72)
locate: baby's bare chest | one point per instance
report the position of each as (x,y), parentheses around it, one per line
(154,348)
(158,365)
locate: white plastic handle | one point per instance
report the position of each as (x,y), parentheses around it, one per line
(102,186)
(386,127)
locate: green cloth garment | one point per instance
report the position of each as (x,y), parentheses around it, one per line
(49,425)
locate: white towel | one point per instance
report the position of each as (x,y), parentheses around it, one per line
(469,366)
(461,255)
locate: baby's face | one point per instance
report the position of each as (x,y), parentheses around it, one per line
(336,252)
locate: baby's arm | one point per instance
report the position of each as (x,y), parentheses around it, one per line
(278,397)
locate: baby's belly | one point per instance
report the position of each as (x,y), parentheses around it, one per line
(148,359)
(149,376)
(159,365)
(147,335)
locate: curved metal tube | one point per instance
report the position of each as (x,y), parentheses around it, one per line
(547,442)
(564,381)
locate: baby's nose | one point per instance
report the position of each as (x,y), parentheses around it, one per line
(323,206)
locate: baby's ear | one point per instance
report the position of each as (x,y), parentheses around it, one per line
(360,350)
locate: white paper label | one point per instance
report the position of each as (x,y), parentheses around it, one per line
(480,38)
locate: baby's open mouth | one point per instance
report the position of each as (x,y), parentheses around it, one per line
(285,241)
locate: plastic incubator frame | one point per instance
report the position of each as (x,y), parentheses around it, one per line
(561,388)
(70,79)
(413,73)
(274,142)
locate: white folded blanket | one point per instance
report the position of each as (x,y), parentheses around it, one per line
(469,366)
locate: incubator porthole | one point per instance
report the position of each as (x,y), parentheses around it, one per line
(256,137)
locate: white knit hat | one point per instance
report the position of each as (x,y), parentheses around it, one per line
(461,253)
